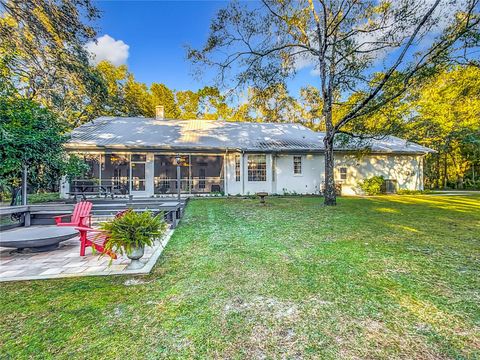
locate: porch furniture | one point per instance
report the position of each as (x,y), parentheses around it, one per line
(96,239)
(90,189)
(262,196)
(215,188)
(77,218)
(37,238)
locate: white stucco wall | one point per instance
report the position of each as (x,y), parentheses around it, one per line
(280,176)
(308,182)
(252,187)
(407,170)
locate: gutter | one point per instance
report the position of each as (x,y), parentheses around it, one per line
(80,147)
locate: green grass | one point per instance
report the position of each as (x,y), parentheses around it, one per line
(382,277)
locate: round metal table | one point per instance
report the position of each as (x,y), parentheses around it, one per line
(37,238)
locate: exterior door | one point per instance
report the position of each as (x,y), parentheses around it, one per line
(138,165)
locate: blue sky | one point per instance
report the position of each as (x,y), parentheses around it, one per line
(156,33)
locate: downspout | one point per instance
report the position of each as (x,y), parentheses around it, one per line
(24,184)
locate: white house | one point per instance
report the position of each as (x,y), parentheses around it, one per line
(138,156)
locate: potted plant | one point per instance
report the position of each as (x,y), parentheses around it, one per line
(130,233)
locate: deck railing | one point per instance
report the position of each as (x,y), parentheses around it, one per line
(205,185)
(193,185)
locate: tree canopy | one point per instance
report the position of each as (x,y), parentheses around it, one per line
(343,40)
(32,136)
(403,68)
(43,55)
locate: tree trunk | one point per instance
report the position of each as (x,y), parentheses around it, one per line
(445,172)
(14,191)
(330,196)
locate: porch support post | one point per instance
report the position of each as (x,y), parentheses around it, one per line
(242,171)
(177,158)
(225,173)
(24,185)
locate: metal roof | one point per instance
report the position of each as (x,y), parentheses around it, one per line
(147,133)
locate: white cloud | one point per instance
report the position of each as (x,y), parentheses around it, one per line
(107,48)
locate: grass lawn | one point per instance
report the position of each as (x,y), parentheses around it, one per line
(382,277)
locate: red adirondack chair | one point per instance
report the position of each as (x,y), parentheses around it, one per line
(80,214)
(96,239)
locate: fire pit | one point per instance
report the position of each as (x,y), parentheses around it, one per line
(37,238)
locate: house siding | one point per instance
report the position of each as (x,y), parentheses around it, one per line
(308,182)
(407,170)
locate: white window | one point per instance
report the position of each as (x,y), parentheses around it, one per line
(237,167)
(297,165)
(343,173)
(257,168)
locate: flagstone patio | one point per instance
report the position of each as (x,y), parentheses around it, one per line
(67,262)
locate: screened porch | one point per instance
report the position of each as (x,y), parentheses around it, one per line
(148,174)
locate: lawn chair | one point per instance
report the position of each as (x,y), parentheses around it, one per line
(77,218)
(96,239)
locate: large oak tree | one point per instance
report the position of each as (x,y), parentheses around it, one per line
(43,55)
(357,48)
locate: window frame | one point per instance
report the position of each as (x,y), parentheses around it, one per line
(296,157)
(238,167)
(343,174)
(257,167)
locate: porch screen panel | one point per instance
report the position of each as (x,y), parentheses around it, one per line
(207,173)
(165,174)
(116,172)
(91,178)
(93,162)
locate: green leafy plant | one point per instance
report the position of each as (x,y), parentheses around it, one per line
(373,185)
(413,192)
(43,197)
(133,230)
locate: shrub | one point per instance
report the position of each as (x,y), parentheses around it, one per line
(413,192)
(43,198)
(373,185)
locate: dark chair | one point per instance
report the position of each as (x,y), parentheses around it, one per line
(215,188)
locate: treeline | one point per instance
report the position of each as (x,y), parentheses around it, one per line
(118,93)
(441,112)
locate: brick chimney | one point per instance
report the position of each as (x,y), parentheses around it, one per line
(159,112)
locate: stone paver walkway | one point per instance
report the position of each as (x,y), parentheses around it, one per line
(67,262)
